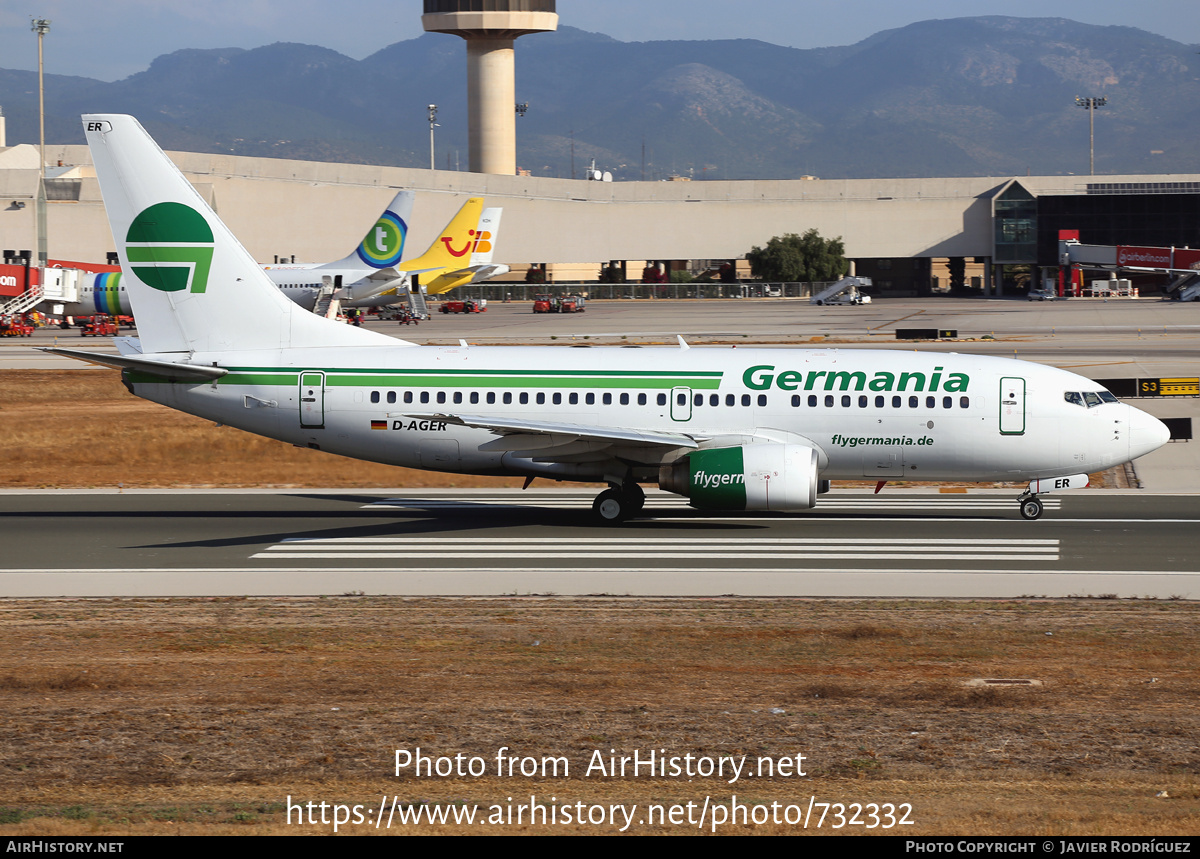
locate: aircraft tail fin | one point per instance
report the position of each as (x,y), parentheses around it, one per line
(485,236)
(452,247)
(383,245)
(192,285)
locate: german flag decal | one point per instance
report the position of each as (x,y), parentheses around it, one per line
(378,425)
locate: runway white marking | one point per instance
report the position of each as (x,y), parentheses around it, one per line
(626,548)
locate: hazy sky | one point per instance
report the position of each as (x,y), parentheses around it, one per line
(111,39)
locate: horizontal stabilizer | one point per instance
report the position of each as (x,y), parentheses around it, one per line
(165,369)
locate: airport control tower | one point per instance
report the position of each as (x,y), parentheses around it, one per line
(490,28)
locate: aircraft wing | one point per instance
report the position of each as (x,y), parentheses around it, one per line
(533,435)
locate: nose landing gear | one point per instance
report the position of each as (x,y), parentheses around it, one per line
(1031,506)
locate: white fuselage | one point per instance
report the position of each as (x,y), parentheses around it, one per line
(869,414)
(303,284)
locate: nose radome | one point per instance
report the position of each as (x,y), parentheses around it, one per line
(1146,433)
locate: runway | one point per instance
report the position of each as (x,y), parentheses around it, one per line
(508,542)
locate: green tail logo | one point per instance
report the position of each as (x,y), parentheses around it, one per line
(169,247)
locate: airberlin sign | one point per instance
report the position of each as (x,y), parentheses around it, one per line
(12,279)
(1174,258)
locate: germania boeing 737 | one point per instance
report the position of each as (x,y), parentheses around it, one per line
(730,429)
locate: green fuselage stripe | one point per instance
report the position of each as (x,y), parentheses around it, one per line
(499,379)
(633,379)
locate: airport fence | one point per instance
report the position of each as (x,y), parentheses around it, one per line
(499,292)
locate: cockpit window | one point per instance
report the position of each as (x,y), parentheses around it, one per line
(1073,397)
(1108,398)
(1092,399)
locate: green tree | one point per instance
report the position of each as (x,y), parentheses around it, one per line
(799,259)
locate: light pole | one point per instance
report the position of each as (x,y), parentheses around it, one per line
(41,26)
(432,125)
(1090,104)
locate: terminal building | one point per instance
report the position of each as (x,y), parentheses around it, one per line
(908,235)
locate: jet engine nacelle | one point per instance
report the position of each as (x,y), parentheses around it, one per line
(750,477)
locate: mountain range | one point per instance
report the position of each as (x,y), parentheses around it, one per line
(961,97)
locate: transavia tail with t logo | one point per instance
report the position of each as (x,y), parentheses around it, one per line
(730,429)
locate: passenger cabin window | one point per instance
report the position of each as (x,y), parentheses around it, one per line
(374,396)
(391,397)
(662,399)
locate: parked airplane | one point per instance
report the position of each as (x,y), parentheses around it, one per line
(371,275)
(731,429)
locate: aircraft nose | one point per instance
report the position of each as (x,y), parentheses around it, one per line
(1146,433)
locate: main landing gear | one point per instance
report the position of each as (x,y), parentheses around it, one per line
(1031,506)
(617,503)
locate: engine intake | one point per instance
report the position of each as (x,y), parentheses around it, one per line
(751,477)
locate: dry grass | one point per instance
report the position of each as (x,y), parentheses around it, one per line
(153,716)
(81,428)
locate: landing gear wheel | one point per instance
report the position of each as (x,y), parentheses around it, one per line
(635,498)
(611,507)
(1031,508)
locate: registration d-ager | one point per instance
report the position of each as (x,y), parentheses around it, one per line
(730,429)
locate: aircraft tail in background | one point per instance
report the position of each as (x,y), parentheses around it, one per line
(451,249)
(383,245)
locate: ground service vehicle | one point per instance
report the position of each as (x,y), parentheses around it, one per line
(468,306)
(15,326)
(100,325)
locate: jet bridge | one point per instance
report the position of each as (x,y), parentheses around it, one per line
(1183,263)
